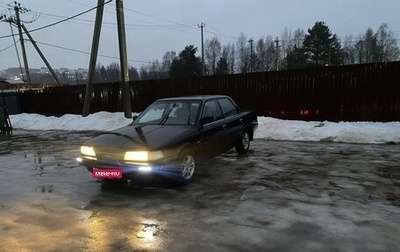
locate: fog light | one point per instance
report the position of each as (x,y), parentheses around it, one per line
(145,168)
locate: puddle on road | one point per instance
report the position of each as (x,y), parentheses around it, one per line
(254,201)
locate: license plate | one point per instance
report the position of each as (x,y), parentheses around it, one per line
(107,173)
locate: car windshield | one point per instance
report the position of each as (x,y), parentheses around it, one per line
(170,113)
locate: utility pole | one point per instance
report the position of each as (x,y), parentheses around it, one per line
(277,53)
(251,55)
(124,60)
(201,26)
(17,9)
(16,50)
(15,19)
(41,55)
(93,58)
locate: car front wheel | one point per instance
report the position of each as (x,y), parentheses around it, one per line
(187,167)
(243,146)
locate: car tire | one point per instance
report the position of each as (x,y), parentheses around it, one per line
(244,144)
(187,167)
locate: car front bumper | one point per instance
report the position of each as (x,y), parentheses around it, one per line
(130,170)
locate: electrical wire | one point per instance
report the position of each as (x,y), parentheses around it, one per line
(69,18)
(87,53)
(217,32)
(61,21)
(111,24)
(8,47)
(130,26)
(162,19)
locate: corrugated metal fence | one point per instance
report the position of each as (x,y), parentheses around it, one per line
(368,92)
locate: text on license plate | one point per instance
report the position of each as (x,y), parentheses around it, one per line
(107,173)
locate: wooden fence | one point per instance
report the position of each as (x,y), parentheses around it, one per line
(367,92)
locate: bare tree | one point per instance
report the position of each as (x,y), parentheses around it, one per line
(367,47)
(212,54)
(265,54)
(286,42)
(349,51)
(377,47)
(168,58)
(387,44)
(228,53)
(243,53)
(291,41)
(298,38)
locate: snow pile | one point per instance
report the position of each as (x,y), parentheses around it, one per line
(269,128)
(346,132)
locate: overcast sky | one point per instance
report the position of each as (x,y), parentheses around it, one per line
(154,27)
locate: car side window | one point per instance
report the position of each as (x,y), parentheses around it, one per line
(212,110)
(228,108)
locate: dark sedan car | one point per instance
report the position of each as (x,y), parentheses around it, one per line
(169,136)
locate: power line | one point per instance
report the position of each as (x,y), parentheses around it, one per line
(61,21)
(152,26)
(69,18)
(8,47)
(87,53)
(162,19)
(217,32)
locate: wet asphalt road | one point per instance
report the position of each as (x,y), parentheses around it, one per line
(284,196)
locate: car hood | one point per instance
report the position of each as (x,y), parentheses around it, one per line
(152,137)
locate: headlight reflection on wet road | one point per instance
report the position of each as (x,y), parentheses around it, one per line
(149,232)
(138,235)
(147,235)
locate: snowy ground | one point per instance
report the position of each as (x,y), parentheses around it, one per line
(269,128)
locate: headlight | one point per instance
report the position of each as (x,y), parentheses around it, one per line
(143,156)
(87,151)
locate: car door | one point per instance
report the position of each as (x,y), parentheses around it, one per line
(233,122)
(212,135)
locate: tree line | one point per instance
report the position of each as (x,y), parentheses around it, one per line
(292,50)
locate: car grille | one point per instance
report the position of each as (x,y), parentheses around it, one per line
(109,154)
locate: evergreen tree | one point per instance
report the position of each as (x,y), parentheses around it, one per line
(322,47)
(133,73)
(296,59)
(187,64)
(222,66)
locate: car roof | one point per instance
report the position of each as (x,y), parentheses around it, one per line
(194,97)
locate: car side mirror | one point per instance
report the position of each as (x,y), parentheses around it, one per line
(134,117)
(205,120)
